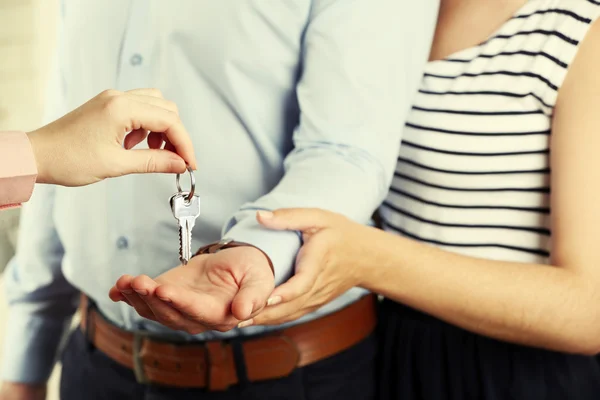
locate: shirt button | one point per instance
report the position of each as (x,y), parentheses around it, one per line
(136,59)
(122,243)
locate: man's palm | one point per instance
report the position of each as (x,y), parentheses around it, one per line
(212,292)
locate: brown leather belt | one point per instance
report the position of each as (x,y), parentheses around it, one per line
(216,365)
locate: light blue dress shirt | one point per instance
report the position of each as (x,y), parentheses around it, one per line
(290,103)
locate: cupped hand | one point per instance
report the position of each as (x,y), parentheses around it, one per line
(326,266)
(211,292)
(93,142)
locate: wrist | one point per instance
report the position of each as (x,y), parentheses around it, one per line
(225,244)
(395,266)
(40,155)
(373,259)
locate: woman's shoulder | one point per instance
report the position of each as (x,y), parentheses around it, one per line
(569,20)
(577,9)
(582,71)
(555,30)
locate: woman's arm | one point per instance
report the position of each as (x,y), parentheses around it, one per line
(555,307)
(87,145)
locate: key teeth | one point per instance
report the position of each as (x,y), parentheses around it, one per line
(185,239)
(184,250)
(181,255)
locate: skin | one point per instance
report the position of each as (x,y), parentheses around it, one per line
(93,142)
(211,292)
(554,306)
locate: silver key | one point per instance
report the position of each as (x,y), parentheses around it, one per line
(185,211)
(186,208)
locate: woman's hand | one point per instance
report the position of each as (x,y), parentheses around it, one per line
(328,264)
(92,142)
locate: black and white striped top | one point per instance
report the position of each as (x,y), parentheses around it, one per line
(473,173)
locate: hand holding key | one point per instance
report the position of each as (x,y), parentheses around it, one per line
(96,140)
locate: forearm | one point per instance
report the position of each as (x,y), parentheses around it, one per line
(315,179)
(536,305)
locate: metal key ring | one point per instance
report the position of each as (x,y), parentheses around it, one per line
(193,184)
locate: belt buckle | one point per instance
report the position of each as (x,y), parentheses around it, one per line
(138,364)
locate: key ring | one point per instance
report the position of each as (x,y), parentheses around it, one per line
(192,182)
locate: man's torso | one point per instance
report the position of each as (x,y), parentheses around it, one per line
(232,69)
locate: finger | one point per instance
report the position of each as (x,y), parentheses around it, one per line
(146,92)
(155,101)
(115,295)
(168,316)
(273,315)
(136,301)
(203,309)
(155,140)
(164,313)
(146,161)
(134,138)
(179,138)
(255,288)
(124,286)
(158,119)
(308,268)
(297,219)
(143,285)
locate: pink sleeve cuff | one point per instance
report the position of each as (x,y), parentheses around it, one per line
(18,170)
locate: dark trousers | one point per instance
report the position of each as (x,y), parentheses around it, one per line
(89,374)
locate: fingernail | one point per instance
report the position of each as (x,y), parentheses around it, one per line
(177,163)
(142,292)
(273,301)
(265,214)
(165,299)
(246,323)
(176,157)
(127,291)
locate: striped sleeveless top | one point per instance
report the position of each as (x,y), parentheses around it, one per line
(473,173)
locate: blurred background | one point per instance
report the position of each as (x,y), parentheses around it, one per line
(27,40)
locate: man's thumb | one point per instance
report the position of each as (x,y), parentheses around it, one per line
(250,299)
(152,161)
